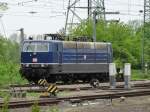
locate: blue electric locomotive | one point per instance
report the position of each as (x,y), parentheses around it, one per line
(66,61)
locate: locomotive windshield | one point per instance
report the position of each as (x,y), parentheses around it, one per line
(35,47)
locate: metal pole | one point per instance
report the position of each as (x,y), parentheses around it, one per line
(94,26)
(142,43)
(21,36)
(89,8)
(142,47)
(67,17)
(3,26)
(104,10)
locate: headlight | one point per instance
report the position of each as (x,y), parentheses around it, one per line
(42,65)
(26,65)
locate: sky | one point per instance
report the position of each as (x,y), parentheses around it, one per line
(50,15)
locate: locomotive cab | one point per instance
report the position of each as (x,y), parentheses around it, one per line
(34,52)
(35,55)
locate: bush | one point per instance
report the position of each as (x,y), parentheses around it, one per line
(9,63)
(9,74)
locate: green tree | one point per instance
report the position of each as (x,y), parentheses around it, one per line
(125,40)
(3,6)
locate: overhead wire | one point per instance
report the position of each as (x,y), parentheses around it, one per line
(49,7)
(48,17)
(130,11)
(62,12)
(3,27)
(39,6)
(54,6)
(123,3)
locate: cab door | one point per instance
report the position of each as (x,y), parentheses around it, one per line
(57,56)
(57,52)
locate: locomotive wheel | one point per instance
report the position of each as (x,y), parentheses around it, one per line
(94,83)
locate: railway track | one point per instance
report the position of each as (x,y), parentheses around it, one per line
(36,88)
(55,101)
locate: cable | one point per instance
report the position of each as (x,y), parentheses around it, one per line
(125,14)
(37,5)
(22,3)
(51,4)
(122,3)
(48,17)
(3,26)
(122,10)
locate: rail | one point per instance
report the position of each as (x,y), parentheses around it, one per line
(52,101)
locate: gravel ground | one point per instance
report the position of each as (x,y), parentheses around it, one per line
(134,104)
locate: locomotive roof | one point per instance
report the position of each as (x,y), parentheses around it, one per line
(62,41)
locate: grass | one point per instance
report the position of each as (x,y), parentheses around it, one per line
(33,95)
(53,109)
(9,74)
(64,93)
(4,94)
(5,105)
(139,75)
(35,107)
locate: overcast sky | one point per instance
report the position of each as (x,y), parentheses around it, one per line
(50,16)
